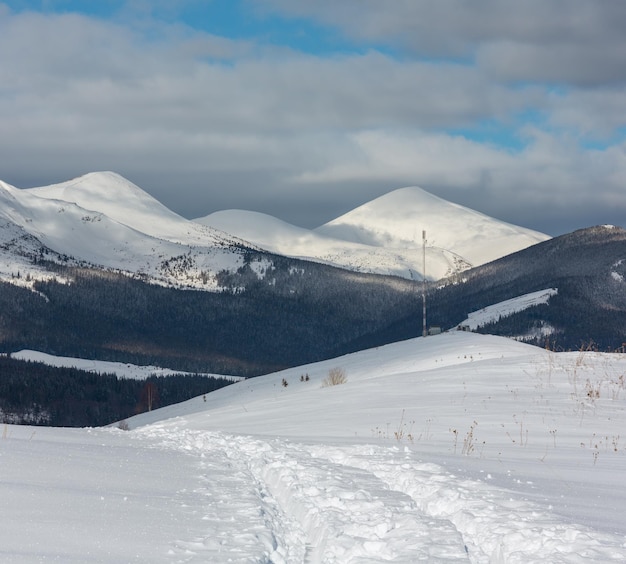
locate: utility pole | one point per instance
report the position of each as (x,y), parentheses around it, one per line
(424,330)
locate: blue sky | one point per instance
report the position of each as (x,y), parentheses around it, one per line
(235,19)
(305,110)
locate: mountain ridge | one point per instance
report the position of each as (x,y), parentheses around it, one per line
(105,220)
(384,236)
(155,244)
(587,268)
(264,311)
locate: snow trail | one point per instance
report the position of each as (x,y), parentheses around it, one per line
(288,506)
(348,513)
(496,528)
(274,500)
(243,522)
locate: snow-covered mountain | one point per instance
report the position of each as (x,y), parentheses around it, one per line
(285,239)
(396,220)
(102,219)
(454,448)
(384,236)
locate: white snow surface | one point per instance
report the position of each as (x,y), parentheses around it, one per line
(453,448)
(506,308)
(120,369)
(384,236)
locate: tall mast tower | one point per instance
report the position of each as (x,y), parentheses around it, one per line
(424,330)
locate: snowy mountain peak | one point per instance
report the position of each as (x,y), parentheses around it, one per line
(113,195)
(104,220)
(397,219)
(384,236)
(265,230)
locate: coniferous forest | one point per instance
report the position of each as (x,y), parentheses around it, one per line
(37,394)
(257,325)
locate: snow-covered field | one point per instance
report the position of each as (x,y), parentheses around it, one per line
(454,448)
(120,369)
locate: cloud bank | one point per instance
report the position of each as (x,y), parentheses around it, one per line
(514,109)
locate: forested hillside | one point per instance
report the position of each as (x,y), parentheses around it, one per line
(587,267)
(274,312)
(36,394)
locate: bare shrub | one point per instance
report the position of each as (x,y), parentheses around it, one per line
(335,377)
(469,442)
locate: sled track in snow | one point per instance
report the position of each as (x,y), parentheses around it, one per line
(298,503)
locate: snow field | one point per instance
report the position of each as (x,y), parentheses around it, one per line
(298,502)
(81,495)
(367,471)
(495,527)
(120,369)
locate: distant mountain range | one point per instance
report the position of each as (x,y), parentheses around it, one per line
(384,236)
(96,268)
(103,220)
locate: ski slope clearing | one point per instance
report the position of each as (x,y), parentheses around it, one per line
(454,448)
(494,312)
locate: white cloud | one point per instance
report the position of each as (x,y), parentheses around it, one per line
(551,172)
(239,124)
(598,113)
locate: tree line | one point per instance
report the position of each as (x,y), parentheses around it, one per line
(39,394)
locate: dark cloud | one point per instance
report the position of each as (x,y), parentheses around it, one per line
(207,123)
(571,41)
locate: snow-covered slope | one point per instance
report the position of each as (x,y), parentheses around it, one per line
(104,220)
(18,251)
(384,236)
(454,448)
(285,239)
(397,219)
(494,312)
(122,201)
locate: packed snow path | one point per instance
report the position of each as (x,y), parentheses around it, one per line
(287,502)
